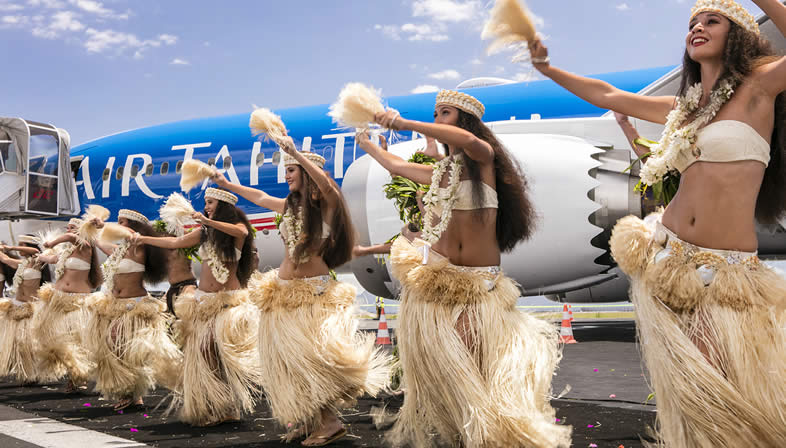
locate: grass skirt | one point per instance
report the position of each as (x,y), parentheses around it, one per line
(733,392)
(311,352)
(491,391)
(129,343)
(17,342)
(58,328)
(218,333)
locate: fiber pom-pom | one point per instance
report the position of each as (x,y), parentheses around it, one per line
(510,23)
(629,244)
(176,213)
(50,235)
(115,232)
(88,230)
(194,172)
(356,106)
(264,121)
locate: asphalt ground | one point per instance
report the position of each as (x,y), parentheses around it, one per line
(600,381)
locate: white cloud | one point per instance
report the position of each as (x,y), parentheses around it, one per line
(178,61)
(391,31)
(423,32)
(167,39)
(10,7)
(476,61)
(622,7)
(447,10)
(100,41)
(13,20)
(425,88)
(445,75)
(50,4)
(61,22)
(98,8)
(531,75)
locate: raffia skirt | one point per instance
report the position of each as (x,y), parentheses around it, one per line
(312,355)
(129,342)
(221,377)
(711,328)
(17,342)
(477,372)
(58,327)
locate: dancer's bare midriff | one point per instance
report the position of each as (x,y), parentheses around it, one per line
(471,238)
(715,205)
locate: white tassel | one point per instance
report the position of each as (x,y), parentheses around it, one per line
(176,213)
(510,23)
(193,172)
(115,232)
(356,106)
(88,231)
(264,121)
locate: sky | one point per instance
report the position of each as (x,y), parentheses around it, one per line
(99,67)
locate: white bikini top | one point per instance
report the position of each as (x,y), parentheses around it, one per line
(465,196)
(203,253)
(77,264)
(725,141)
(128,266)
(31,274)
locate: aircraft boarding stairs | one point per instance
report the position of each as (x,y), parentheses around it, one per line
(36,178)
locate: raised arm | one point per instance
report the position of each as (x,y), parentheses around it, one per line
(393,163)
(631,134)
(254,195)
(774,73)
(475,148)
(48,259)
(326,186)
(23,250)
(12,262)
(601,93)
(169,242)
(237,230)
(64,238)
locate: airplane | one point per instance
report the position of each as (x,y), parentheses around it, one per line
(573,154)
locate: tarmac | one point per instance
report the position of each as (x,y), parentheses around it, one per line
(601,392)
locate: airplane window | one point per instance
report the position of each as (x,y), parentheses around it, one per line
(227,162)
(179,167)
(164,168)
(134,170)
(211,161)
(260,159)
(106,174)
(149,170)
(119,173)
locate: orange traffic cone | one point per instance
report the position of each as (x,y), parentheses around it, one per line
(570,312)
(566,330)
(383,336)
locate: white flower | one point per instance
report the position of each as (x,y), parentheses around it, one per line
(447,199)
(109,267)
(217,268)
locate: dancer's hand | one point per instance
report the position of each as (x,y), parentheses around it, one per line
(288,146)
(47,245)
(97,222)
(539,55)
(390,119)
(363,140)
(383,142)
(219,179)
(199,217)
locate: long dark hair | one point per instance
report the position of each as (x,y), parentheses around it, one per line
(744,52)
(46,274)
(225,243)
(95,277)
(156,260)
(336,249)
(516,212)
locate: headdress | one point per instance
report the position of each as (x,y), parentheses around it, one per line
(460,100)
(313,157)
(75,222)
(132,215)
(729,9)
(221,195)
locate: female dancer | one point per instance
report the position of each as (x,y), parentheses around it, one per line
(17,341)
(179,274)
(60,322)
(313,360)
(217,323)
(127,333)
(711,324)
(6,276)
(476,370)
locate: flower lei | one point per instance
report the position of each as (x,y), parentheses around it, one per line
(20,270)
(434,196)
(294,233)
(217,267)
(109,268)
(61,261)
(676,139)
